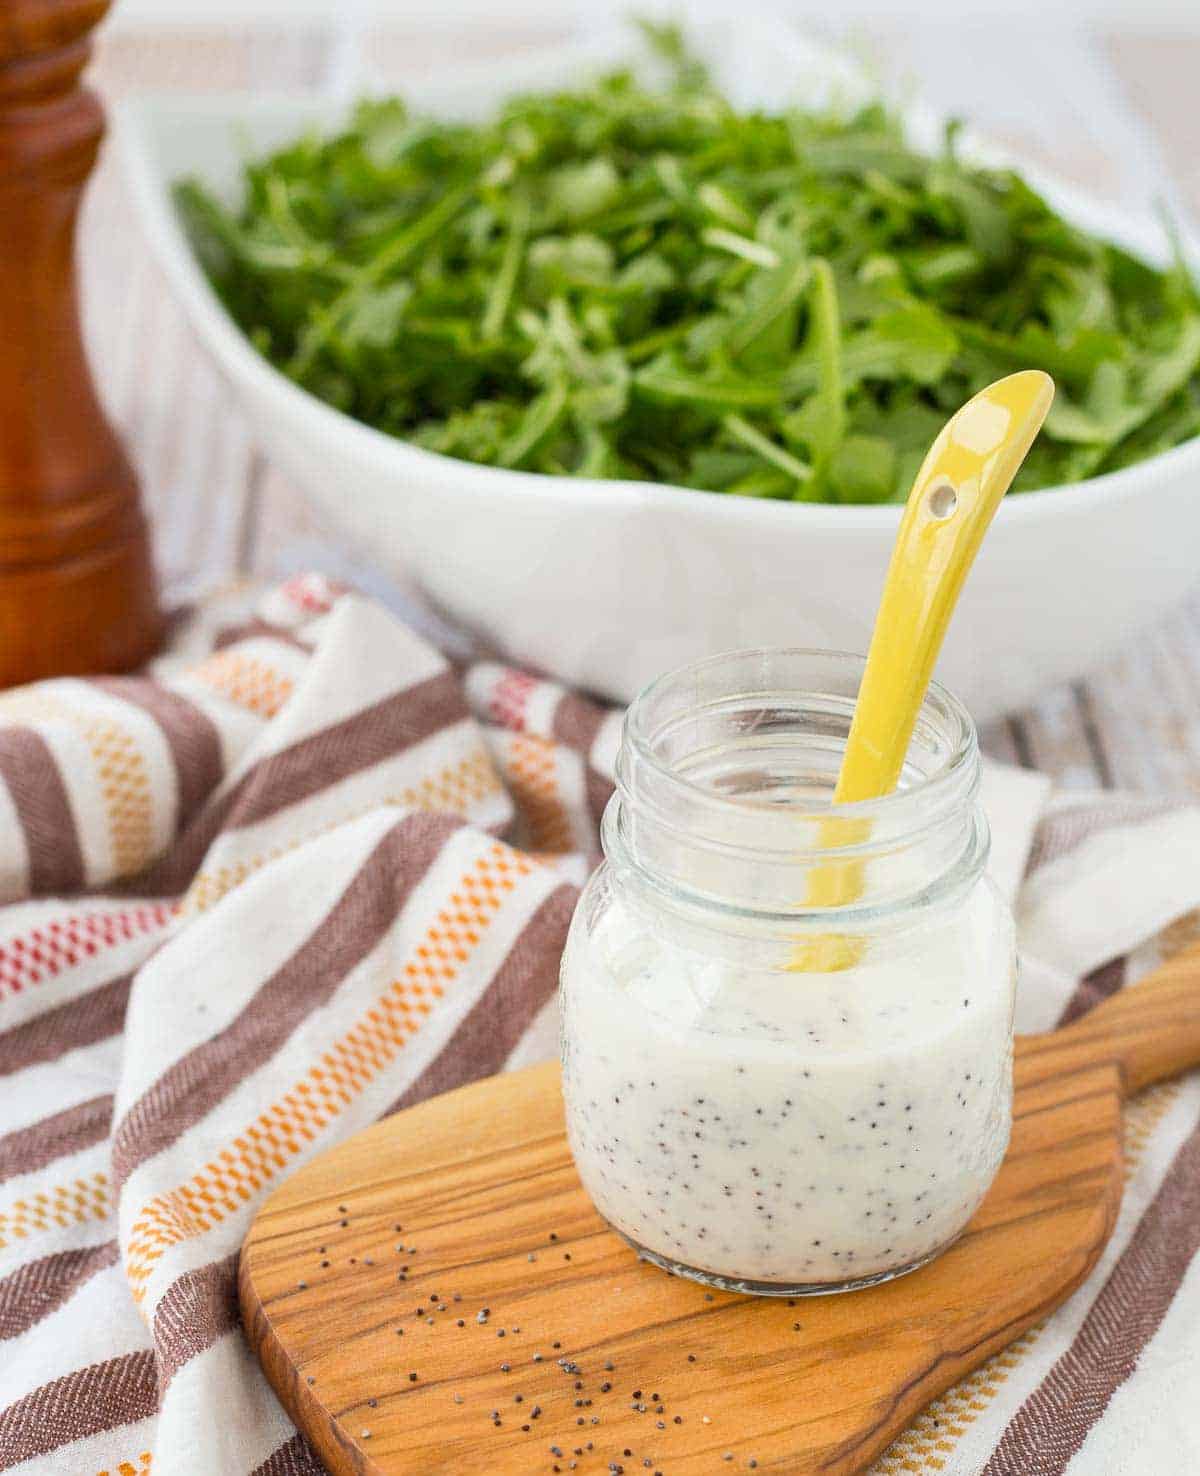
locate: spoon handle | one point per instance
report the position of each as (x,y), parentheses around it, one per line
(956,493)
(966,472)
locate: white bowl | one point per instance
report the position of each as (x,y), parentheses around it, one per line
(605,584)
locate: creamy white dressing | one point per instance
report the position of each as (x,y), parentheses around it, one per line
(800,1129)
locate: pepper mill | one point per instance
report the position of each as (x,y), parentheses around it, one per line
(77,589)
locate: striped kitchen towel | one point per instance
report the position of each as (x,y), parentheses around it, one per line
(265,895)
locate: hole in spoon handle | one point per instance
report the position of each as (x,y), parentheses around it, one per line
(943,501)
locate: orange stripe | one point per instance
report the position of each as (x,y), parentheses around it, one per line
(120,768)
(139,1466)
(246,680)
(72,1203)
(266,1148)
(455,789)
(531,765)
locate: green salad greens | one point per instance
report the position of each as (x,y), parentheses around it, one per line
(634,281)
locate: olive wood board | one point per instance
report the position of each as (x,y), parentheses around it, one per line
(365,1276)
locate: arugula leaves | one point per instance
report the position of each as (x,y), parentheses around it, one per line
(631,282)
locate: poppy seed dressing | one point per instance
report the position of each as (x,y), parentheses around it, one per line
(793,1129)
(737,1111)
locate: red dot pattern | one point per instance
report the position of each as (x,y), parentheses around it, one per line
(509,698)
(61,943)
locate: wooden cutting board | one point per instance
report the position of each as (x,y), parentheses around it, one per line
(437,1294)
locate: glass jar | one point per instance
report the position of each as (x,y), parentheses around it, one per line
(787,1029)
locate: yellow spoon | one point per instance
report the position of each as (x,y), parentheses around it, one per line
(967,471)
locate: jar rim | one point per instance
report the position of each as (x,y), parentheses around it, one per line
(721,794)
(950,782)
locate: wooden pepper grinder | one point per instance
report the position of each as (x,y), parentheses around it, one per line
(76,583)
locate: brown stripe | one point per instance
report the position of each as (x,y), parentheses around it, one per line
(501,1015)
(576,722)
(69,1131)
(86,1402)
(190,733)
(376,733)
(1055,1419)
(80,1022)
(30,771)
(315,763)
(1063,831)
(295,1458)
(259,629)
(1092,988)
(35,1290)
(197,1309)
(368,907)
(599,792)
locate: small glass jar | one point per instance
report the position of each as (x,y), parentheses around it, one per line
(787,1028)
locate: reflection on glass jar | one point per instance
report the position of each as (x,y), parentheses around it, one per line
(765,1090)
